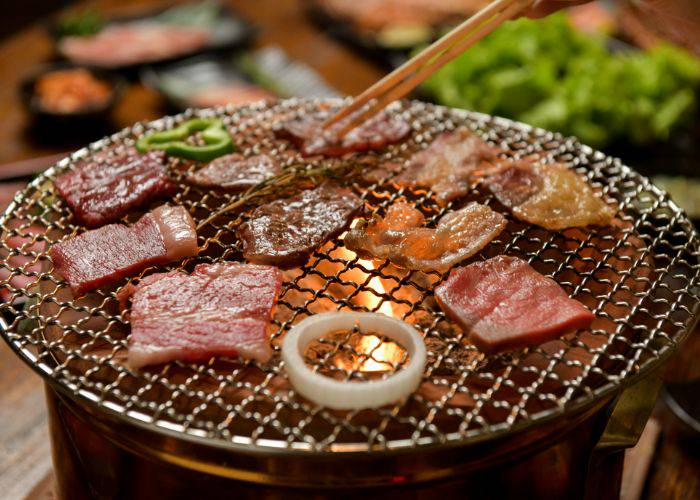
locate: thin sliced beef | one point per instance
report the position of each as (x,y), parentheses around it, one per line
(505,304)
(402,238)
(285,232)
(448,164)
(552,196)
(308,135)
(235,172)
(102,192)
(103,256)
(220,309)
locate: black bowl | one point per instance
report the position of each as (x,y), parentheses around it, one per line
(89,113)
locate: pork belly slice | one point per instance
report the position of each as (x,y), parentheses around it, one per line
(552,196)
(308,135)
(103,256)
(285,232)
(103,192)
(401,236)
(448,165)
(235,172)
(504,304)
(221,309)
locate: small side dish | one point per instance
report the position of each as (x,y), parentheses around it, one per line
(103,256)
(134,43)
(219,309)
(73,90)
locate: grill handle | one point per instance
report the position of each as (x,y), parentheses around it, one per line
(628,417)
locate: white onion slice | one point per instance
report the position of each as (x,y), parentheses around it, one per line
(346,395)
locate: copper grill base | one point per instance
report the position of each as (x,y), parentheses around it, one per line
(93,459)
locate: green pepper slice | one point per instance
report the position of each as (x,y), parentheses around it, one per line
(216,139)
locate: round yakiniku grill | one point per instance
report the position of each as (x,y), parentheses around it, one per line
(204,425)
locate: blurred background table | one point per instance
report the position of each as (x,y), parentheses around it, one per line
(24,449)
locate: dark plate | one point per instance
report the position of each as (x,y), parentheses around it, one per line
(230,31)
(365,42)
(88,114)
(268,67)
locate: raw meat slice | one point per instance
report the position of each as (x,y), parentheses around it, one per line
(133,43)
(285,232)
(100,192)
(401,237)
(505,304)
(308,135)
(235,172)
(220,309)
(448,164)
(552,196)
(104,256)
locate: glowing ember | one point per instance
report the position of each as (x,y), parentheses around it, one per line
(382,355)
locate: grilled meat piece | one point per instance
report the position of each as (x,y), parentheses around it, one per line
(220,309)
(308,135)
(285,232)
(100,192)
(235,172)
(104,256)
(505,304)
(552,196)
(402,238)
(448,164)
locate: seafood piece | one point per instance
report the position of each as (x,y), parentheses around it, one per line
(505,304)
(104,256)
(99,192)
(220,309)
(285,232)
(448,164)
(402,238)
(308,135)
(235,171)
(552,196)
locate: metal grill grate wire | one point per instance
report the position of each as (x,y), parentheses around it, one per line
(639,276)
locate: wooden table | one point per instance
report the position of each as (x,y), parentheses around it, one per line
(24,452)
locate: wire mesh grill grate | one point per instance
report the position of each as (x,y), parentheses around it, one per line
(640,276)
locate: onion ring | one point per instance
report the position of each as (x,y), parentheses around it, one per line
(344,395)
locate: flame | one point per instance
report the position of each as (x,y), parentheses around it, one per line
(369,299)
(383,354)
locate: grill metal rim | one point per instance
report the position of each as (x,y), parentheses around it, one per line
(265,446)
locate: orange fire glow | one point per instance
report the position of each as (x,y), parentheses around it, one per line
(383,354)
